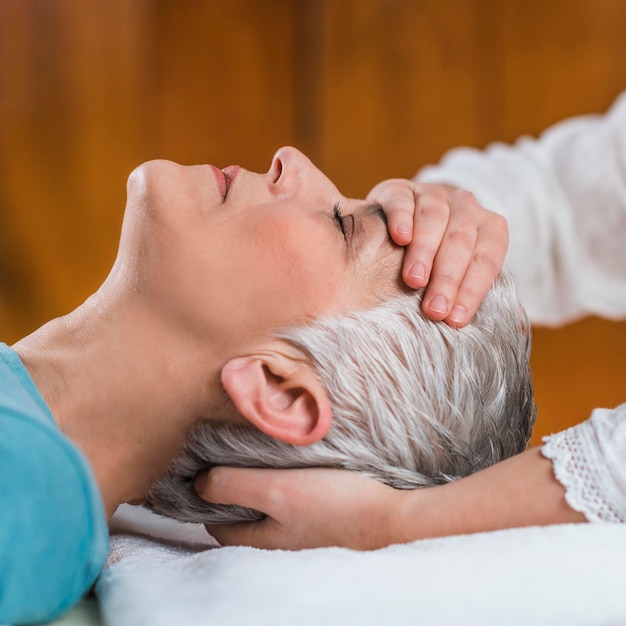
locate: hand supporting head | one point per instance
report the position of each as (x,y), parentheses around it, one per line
(414,402)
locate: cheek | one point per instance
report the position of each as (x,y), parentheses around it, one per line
(298,265)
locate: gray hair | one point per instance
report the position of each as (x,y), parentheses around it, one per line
(414,402)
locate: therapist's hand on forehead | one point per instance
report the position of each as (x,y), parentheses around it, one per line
(454,247)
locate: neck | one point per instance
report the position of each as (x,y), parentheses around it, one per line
(124,387)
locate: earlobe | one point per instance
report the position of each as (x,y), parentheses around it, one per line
(280,396)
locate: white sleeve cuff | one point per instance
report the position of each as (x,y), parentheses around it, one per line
(583,460)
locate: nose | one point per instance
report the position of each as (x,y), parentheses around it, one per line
(293,173)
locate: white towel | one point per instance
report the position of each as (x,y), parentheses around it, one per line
(570,574)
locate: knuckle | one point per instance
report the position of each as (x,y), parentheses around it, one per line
(464,197)
(433,207)
(487,261)
(461,236)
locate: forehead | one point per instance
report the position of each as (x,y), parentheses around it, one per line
(384,270)
(377,259)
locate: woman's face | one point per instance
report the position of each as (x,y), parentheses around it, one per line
(235,254)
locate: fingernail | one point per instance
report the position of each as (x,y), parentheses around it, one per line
(458,314)
(200,483)
(439,304)
(403,229)
(418,271)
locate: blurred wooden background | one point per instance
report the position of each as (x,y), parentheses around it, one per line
(368,88)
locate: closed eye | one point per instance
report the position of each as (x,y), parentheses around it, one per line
(345,223)
(339,219)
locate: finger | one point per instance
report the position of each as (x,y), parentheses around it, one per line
(450,267)
(251,488)
(398,203)
(431,217)
(486,263)
(399,210)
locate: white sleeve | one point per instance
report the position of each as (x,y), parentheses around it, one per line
(590,462)
(564,196)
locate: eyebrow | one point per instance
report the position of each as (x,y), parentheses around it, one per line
(370,210)
(377,211)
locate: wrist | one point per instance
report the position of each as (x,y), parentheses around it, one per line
(440,511)
(387,519)
(412,516)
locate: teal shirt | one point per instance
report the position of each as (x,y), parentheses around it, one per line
(53,531)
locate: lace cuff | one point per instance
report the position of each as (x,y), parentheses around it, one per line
(580,465)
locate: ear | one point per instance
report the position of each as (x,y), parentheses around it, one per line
(280,395)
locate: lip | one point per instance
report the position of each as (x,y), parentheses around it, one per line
(230,173)
(222,183)
(225,178)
